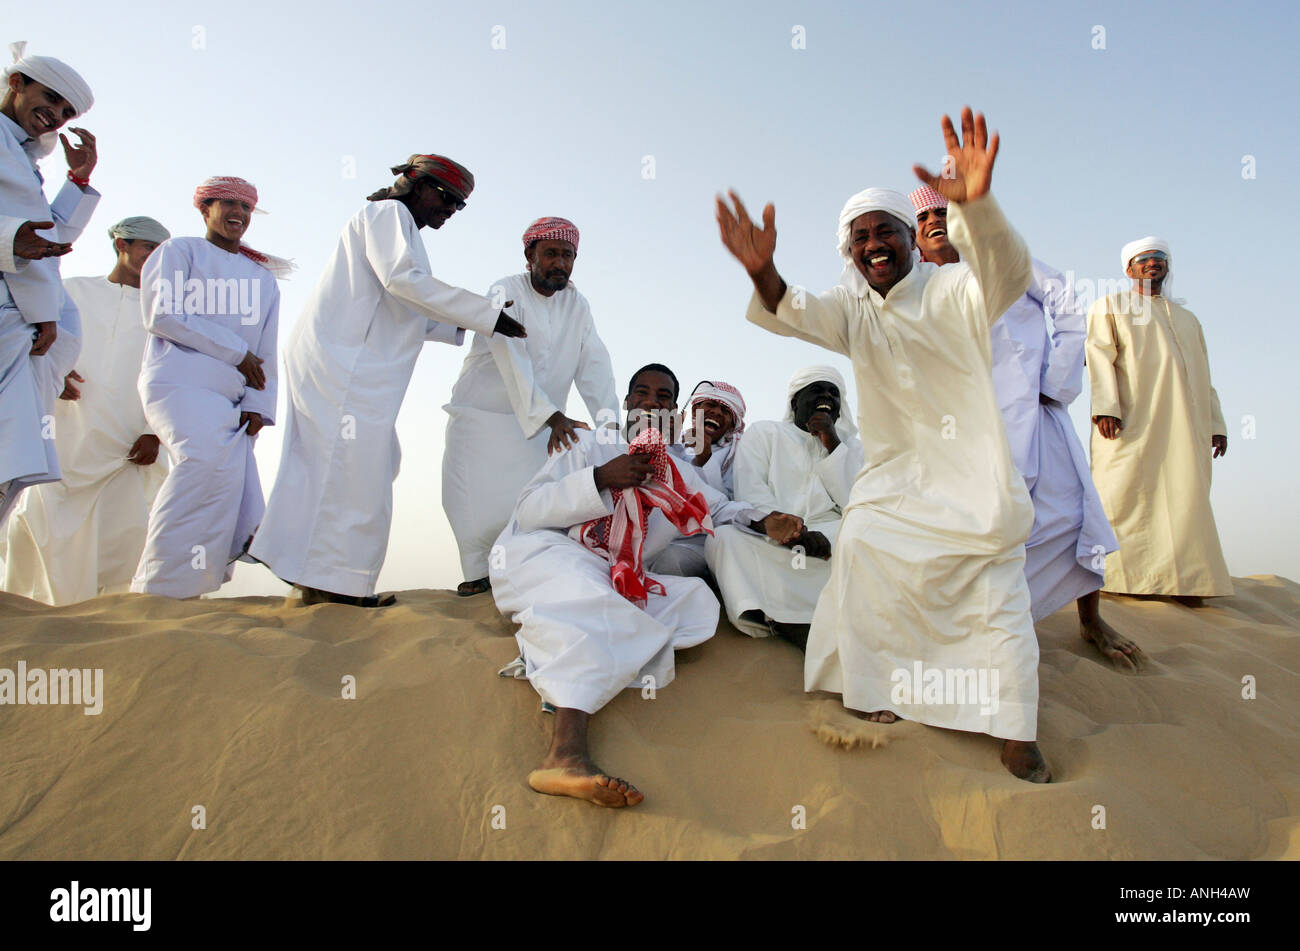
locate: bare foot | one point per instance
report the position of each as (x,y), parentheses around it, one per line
(582,779)
(877,716)
(1113,645)
(1025,761)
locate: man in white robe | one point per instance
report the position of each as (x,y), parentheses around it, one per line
(82,536)
(208,384)
(804,464)
(1036,376)
(1157,427)
(716,411)
(41,94)
(581,641)
(928,578)
(348,363)
(506,412)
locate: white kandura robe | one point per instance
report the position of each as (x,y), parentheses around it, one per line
(929,562)
(82,536)
(782,468)
(581,641)
(685,556)
(1149,368)
(31,292)
(347,364)
(508,388)
(1066,551)
(193,394)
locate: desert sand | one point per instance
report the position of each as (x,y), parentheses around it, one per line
(236,705)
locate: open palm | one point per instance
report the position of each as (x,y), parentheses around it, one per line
(968,171)
(752,246)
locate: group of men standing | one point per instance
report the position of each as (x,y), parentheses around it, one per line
(962,511)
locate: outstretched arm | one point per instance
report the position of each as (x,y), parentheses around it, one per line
(997,257)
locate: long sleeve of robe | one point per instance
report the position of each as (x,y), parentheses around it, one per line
(30,293)
(1038,351)
(9,226)
(347,364)
(779,467)
(1149,367)
(82,536)
(929,560)
(211,500)
(507,389)
(581,641)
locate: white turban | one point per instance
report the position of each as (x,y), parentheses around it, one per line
(1149,243)
(871,199)
(844,425)
(60,77)
(140,227)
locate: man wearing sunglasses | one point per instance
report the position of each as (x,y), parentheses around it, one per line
(348,363)
(1157,426)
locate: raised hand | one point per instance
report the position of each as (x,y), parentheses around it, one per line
(822,426)
(28,244)
(82,156)
(70,390)
(968,171)
(251,367)
(752,246)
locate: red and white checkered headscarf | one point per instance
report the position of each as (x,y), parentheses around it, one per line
(552,229)
(926,198)
(723,393)
(621,537)
(230,188)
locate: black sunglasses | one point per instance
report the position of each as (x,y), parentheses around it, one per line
(448,199)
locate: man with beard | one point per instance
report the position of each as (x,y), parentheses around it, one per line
(1158,425)
(348,363)
(507,407)
(804,465)
(929,566)
(1036,377)
(571,573)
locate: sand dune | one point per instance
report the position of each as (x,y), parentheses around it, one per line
(235,705)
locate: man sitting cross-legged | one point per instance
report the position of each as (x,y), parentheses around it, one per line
(805,464)
(571,574)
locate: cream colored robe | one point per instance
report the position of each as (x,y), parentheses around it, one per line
(929,564)
(1149,368)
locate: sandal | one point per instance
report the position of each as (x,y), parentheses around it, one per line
(467,589)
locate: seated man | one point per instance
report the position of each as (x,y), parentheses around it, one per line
(592,622)
(717,418)
(804,465)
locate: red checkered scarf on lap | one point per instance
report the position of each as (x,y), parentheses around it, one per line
(621,537)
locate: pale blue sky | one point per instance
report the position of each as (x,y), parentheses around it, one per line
(1099,146)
